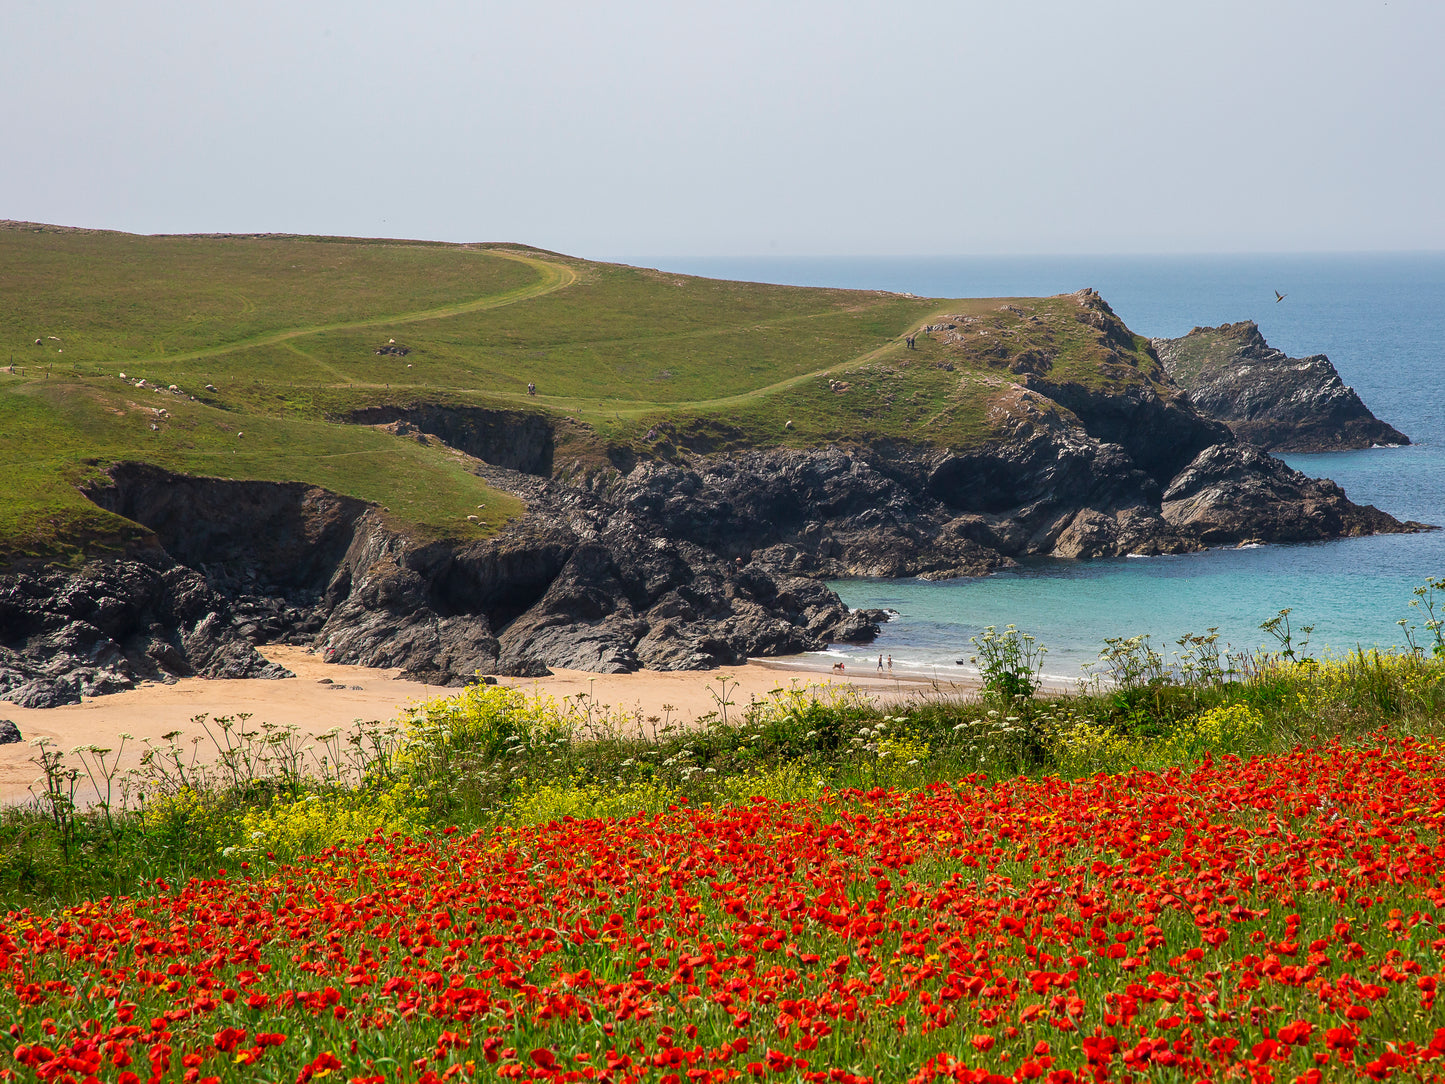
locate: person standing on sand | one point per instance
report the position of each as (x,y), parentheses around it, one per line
(880,664)
(890,664)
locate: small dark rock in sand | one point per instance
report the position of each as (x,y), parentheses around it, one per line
(45,693)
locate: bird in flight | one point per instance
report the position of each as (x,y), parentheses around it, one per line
(1278,297)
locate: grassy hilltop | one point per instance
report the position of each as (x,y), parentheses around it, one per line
(286,329)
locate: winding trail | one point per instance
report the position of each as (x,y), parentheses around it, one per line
(635,407)
(554,276)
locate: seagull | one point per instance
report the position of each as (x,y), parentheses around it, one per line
(1278,297)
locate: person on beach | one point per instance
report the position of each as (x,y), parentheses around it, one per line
(880,664)
(890,664)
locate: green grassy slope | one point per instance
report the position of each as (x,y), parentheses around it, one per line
(286,330)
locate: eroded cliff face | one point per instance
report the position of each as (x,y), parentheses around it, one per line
(1277,402)
(586,581)
(684,561)
(516,439)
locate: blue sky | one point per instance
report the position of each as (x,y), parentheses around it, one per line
(638,131)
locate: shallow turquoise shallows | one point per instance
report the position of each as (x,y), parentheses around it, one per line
(1381,319)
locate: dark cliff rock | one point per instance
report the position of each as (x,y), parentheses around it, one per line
(115,622)
(272,537)
(1159,435)
(516,439)
(1277,402)
(620,588)
(385,609)
(1234,490)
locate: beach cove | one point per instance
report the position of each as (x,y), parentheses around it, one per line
(327,696)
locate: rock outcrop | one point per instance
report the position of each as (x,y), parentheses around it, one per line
(584,582)
(1280,403)
(1236,492)
(113,623)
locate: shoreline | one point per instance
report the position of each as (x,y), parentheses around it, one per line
(315,706)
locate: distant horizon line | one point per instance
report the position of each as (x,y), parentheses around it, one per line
(760,256)
(1273,254)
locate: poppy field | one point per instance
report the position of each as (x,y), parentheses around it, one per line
(1275,918)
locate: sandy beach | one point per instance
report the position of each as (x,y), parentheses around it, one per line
(358,692)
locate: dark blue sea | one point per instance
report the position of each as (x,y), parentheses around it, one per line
(1381,320)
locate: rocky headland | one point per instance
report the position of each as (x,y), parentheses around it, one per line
(674,555)
(1280,403)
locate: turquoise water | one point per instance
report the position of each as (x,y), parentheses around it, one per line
(1381,319)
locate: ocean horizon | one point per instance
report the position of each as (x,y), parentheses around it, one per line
(1381,320)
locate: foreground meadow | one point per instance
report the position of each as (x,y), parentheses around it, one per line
(1193,872)
(1275,918)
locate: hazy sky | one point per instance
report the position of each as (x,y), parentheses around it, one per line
(639,130)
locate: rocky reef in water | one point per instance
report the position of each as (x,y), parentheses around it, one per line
(1280,403)
(687,561)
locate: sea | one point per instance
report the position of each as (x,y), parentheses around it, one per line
(1381,320)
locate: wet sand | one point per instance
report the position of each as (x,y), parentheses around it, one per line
(358,692)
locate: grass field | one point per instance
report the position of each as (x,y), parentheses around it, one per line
(286,329)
